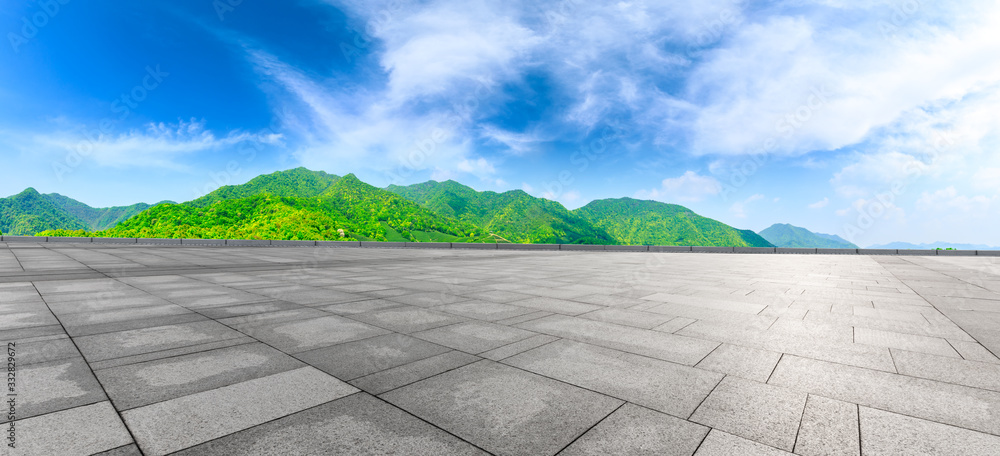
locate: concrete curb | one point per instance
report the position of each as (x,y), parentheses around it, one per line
(496,246)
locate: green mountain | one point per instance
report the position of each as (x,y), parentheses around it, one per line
(97,218)
(304,204)
(785,235)
(638,222)
(296,183)
(520,217)
(295,204)
(514,215)
(29,212)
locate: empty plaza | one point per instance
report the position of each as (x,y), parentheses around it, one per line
(143,349)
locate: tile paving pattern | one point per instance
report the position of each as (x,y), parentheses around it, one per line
(125,350)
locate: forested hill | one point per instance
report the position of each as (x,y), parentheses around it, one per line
(785,235)
(304,204)
(520,217)
(293,183)
(345,209)
(98,218)
(29,212)
(515,215)
(643,222)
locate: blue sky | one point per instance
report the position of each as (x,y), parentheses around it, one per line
(875,121)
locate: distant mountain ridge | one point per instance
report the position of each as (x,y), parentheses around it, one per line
(304,204)
(785,235)
(519,217)
(30,212)
(933,245)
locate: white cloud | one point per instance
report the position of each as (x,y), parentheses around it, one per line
(949,198)
(873,173)
(527,187)
(820,204)
(771,70)
(987,179)
(478,167)
(159,145)
(738,209)
(689,187)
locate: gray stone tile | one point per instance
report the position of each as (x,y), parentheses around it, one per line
(474,336)
(957,405)
(523,318)
(79,431)
(707,303)
(668,347)
(127,450)
(636,318)
(756,411)
(301,335)
(554,305)
(357,307)
(45,349)
(140,384)
(659,385)
(27,319)
(635,430)
(719,443)
(845,353)
(406,374)
(973,351)
(610,300)
(55,385)
(504,410)
(947,369)
(428,299)
(829,427)
(186,421)
(138,341)
(509,350)
(485,310)
(498,296)
(893,434)
(408,319)
(923,344)
(675,324)
(249,309)
(357,424)
(744,362)
(169,353)
(356,359)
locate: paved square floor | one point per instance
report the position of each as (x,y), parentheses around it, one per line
(127,350)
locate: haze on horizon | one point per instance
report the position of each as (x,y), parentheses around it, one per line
(875,121)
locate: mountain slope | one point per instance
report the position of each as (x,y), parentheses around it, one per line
(638,222)
(29,212)
(513,215)
(296,183)
(785,235)
(361,211)
(97,218)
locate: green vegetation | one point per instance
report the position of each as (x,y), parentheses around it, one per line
(29,212)
(638,222)
(784,235)
(361,211)
(97,218)
(301,204)
(514,215)
(295,183)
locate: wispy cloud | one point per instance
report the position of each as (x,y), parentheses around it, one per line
(158,145)
(689,187)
